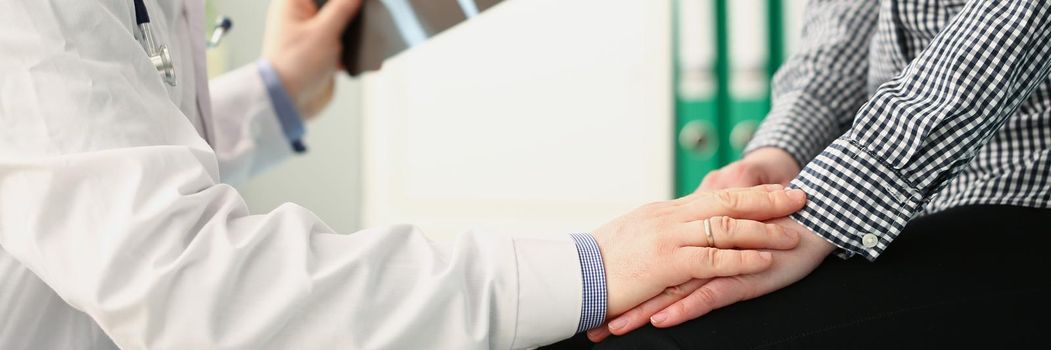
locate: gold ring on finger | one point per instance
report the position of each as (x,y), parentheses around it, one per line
(708,232)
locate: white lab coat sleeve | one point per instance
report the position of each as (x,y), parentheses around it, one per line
(247,137)
(109,195)
(540,287)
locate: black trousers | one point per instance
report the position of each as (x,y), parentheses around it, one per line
(976,276)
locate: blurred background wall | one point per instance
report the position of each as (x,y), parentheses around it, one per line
(541,115)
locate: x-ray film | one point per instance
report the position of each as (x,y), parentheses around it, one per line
(383,28)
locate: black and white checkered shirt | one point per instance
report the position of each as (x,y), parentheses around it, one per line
(899,108)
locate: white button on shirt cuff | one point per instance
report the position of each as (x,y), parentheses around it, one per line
(854,199)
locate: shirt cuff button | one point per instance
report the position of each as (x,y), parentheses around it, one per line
(869,240)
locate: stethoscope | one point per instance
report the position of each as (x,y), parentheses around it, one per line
(159,55)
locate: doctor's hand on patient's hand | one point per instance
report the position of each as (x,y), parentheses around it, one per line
(303,45)
(766,165)
(697,297)
(664,244)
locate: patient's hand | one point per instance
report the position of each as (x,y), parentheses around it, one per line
(664,244)
(699,296)
(763,166)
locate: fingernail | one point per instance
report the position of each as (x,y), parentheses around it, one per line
(796,194)
(766,255)
(617,324)
(658,318)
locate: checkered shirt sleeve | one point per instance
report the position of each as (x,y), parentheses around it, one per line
(917,130)
(818,90)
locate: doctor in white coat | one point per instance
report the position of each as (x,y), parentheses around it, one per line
(117,229)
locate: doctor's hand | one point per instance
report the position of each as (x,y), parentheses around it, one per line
(697,297)
(303,45)
(664,244)
(768,165)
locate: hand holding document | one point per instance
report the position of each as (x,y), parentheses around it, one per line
(385,28)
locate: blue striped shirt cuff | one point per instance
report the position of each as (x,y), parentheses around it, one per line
(287,115)
(593,307)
